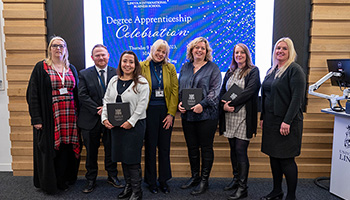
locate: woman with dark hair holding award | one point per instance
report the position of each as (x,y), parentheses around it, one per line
(128,87)
(238,115)
(199,115)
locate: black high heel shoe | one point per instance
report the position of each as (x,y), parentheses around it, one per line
(278,196)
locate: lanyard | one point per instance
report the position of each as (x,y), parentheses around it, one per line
(159,78)
(61,77)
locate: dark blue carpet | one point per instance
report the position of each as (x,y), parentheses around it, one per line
(19,187)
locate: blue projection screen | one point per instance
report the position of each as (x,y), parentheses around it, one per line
(135,25)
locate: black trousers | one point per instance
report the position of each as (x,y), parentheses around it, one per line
(157,137)
(92,140)
(199,136)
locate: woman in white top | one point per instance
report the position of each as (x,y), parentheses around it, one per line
(127,140)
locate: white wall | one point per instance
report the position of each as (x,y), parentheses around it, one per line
(5,143)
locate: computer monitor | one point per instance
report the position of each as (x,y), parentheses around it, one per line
(342,66)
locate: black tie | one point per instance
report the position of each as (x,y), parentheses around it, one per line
(103,86)
(103,77)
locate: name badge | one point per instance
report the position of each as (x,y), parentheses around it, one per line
(159,93)
(63,91)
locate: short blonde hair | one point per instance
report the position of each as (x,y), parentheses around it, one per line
(193,43)
(159,44)
(48,60)
(292,56)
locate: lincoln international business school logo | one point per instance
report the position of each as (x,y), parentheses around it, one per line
(191,100)
(344,154)
(146,4)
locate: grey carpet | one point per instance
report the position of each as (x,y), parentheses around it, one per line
(19,187)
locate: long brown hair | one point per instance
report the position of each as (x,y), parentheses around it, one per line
(136,73)
(248,61)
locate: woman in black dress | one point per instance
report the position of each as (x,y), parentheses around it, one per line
(283,93)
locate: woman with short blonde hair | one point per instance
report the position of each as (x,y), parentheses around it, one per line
(162,78)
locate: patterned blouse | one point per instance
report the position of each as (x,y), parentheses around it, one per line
(236,122)
(64,109)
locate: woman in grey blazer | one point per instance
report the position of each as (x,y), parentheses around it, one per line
(283,93)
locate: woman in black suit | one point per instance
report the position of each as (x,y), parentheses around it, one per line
(240,126)
(283,93)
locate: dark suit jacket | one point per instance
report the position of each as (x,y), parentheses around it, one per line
(288,94)
(90,96)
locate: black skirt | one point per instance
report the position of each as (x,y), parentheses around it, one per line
(276,145)
(127,143)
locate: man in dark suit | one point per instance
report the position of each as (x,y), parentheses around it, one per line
(92,86)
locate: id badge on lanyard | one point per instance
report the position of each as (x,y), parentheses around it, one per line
(62,90)
(159,92)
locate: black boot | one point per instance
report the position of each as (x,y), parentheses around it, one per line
(194,163)
(273,196)
(193,181)
(201,188)
(126,193)
(136,179)
(203,185)
(233,185)
(242,190)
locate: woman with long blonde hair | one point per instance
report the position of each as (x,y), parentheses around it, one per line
(283,93)
(52,97)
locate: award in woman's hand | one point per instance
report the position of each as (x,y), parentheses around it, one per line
(118,113)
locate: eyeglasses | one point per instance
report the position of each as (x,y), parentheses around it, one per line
(57,45)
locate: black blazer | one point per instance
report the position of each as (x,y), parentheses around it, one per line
(249,97)
(90,96)
(288,94)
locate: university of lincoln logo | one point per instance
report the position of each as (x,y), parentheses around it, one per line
(118,114)
(347,138)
